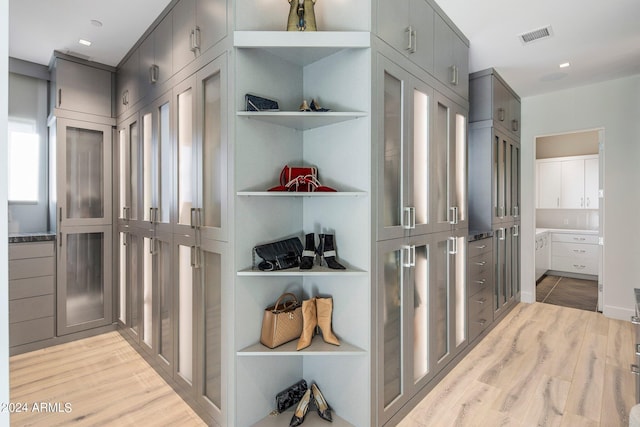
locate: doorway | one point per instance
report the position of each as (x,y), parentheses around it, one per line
(569,218)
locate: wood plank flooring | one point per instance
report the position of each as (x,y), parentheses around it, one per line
(568,292)
(543,365)
(101,380)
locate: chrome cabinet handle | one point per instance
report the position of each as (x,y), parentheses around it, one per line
(453,215)
(579,251)
(501,114)
(635,370)
(516,230)
(481,263)
(409,32)
(409,260)
(193,220)
(453,77)
(481,301)
(154,73)
(515,125)
(481,322)
(481,247)
(59,97)
(635,320)
(409,218)
(453,246)
(481,282)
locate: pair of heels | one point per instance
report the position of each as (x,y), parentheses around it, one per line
(316,313)
(323,408)
(326,250)
(314,106)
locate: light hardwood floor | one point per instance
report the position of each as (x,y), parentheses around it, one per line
(543,365)
(103,379)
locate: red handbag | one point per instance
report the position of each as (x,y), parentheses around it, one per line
(300,178)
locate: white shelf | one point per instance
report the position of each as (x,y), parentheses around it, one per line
(301,194)
(296,272)
(302,48)
(311,420)
(317,348)
(302,120)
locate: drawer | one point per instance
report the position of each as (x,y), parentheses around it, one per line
(30,308)
(30,250)
(31,331)
(576,250)
(481,266)
(573,265)
(31,267)
(480,315)
(31,287)
(575,238)
(479,247)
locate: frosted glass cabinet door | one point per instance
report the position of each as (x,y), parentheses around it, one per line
(164,288)
(126,131)
(186,264)
(84,285)
(84,173)
(185,108)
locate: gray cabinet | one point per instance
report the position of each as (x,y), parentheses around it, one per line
(491,98)
(128,89)
(480,285)
(81,88)
(197,26)
(451,64)
(156,56)
(403,152)
(408,27)
(506,250)
(31,293)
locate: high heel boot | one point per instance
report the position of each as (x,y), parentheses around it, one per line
(324,309)
(327,251)
(301,409)
(323,408)
(309,323)
(309,253)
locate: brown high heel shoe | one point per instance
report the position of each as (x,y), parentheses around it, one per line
(324,309)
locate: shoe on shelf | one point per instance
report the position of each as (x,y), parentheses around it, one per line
(327,252)
(314,106)
(323,408)
(301,409)
(304,106)
(309,253)
(309,323)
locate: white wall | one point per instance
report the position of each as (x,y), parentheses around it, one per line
(4,288)
(615,107)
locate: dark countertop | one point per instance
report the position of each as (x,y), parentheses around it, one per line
(41,236)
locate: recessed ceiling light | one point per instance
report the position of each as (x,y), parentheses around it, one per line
(565,65)
(96,23)
(84,42)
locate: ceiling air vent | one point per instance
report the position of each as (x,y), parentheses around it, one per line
(540,33)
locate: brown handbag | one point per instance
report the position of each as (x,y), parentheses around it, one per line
(282,322)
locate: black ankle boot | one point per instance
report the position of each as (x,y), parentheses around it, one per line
(309,253)
(327,252)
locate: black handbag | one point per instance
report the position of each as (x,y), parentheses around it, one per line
(290,396)
(279,255)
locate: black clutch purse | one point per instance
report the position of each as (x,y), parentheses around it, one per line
(258,103)
(279,255)
(290,396)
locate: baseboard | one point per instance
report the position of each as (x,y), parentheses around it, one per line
(50,342)
(619,313)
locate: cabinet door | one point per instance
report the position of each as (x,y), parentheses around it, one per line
(82,88)
(505,288)
(514,208)
(421,20)
(211,22)
(128,90)
(451,58)
(186,264)
(123,274)
(156,55)
(84,173)
(549,177)
(591,184)
(184,23)
(500,173)
(128,135)
(84,285)
(393,23)
(448,166)
(515,261)
(212,150)
(572,184)
(392,130)
(163,297)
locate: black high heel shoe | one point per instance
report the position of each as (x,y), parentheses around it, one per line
(323,408)
(301,409)
(309,253)
(327,252)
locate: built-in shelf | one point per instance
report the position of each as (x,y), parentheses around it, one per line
(302,120)
(302,47)
(317,348)
(311,420)
(296,272)
(301,194)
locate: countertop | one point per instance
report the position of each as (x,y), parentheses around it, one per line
(566,231)
(41,236)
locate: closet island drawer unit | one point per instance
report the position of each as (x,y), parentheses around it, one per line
(574,253)
(31,292)
(480,286)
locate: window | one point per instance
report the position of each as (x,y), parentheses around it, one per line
(24,161)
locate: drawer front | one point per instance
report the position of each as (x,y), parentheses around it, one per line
(480,282)
(32,267)
(575,238)
(30,250)
(575,250)
(573,265)
(31,331)
(31,287)
(480,314)
(30,308)
(479,247)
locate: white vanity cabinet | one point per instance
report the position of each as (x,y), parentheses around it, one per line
(578,179)
(574,253)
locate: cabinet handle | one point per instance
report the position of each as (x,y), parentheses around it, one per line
(413,35)
(195,257)
(481,301)
(453,217)
(637,349)
(581,202)
(60,216)
(579,239)
(60,239)
(635,370)
(579,266)
(481,263)
(409,32)
(481,322)
(59,97)
(125,240)
(481,247)
(516,211)
(516,230)
(195,39)
(151,215)
(410,257)
(588,202)
(515,125)
(579,251)
(154,72)
(481,281)
(453,246)
(501,114)
(193,220)
(453,75)
(409,218)
(635,320)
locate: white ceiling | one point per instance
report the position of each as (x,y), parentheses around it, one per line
(600,39)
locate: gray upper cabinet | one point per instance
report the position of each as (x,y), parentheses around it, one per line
(451,65)
(491,98)
(197,26)
(156,56)
(127,87)
(408,27)
(81,88)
